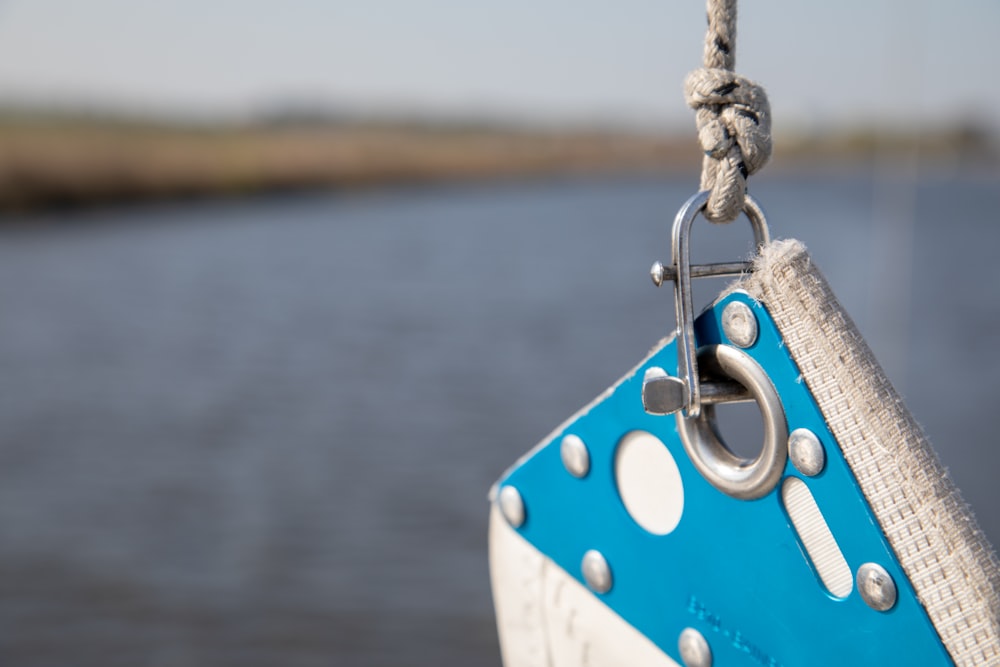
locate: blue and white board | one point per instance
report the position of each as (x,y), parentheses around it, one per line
(769,581)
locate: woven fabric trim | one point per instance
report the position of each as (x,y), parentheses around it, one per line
(945,554)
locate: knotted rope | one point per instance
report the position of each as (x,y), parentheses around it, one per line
(733,116)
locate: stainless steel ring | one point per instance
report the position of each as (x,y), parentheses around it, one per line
(733,475)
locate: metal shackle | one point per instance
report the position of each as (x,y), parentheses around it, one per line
(687,360)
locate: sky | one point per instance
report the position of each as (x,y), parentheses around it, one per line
(845,63)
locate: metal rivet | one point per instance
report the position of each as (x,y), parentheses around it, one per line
(656,273)
(806,452)
(596,571)
(739,324)
(575,455)
(511,506)
(876,586)
(695,651)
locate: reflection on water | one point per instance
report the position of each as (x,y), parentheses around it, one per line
(262,432)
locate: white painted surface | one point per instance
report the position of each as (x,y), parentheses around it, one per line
(654,372)
(545,618)
(816,537)
(649,482)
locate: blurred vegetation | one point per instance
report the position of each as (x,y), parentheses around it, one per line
(67,159)
(965,142)
(60,160)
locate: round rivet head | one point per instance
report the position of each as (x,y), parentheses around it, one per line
(512,506)
(739,324)
(876,586)
(656,273)
(596,571)
(575,455)
(806,452)
(695,651)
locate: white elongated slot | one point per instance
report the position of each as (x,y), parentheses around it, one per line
(814,532)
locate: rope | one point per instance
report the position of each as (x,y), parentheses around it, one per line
(733,117)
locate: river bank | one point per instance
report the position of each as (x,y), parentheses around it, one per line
(66,161)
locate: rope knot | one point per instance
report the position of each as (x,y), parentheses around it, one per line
(734,129)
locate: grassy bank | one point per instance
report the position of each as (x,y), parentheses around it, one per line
(60,161)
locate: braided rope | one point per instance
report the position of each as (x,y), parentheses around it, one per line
(733,117)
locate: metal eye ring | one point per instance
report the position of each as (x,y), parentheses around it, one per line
(741,478)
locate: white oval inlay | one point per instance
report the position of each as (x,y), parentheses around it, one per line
(649,482)
(816,537)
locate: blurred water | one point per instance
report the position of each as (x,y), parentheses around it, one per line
(262,432)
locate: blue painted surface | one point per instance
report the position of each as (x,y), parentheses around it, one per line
(733,569)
